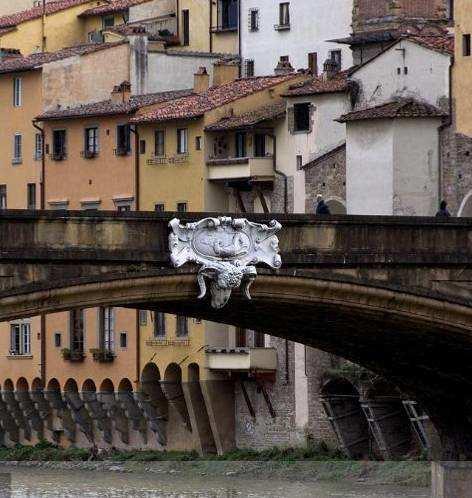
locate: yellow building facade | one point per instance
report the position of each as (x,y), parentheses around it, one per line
(462,76)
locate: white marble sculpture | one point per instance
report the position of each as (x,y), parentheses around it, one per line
(228,250)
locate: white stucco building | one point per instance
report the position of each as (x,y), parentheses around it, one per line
(296,30)
(392,137)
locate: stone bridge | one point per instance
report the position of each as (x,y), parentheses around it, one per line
(392,294)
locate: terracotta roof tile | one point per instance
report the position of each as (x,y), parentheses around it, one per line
(402,108)
(36,12)
(34,61)
(321,84)
(110,108)
(114,6)
(196,105)
(248,119)
(442,44)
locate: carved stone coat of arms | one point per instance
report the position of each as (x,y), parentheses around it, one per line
(228,251)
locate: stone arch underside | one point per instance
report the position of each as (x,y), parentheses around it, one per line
(420,342)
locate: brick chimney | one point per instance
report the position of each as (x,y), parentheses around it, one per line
(225,72)
(330,69)
(283,67)
(201,80)
(121,93)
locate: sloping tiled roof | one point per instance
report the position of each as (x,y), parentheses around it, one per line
(321,84)
(442,44)
(402,108)
(37,12)
(196,105)
(110,108)
(34,61)
(325,154)
(248,119)
(115,6)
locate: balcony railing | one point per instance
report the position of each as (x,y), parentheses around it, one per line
(233,168)
(242,359)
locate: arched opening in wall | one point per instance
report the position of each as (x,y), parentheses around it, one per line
(388,420)
(465,209)
(194,372)
(22,384)
(71,386)
(37,384)
(172,387)
(8,385)
(89,386)
(341,403)
(53,385)
(107,386)
(125,385)
(336,206)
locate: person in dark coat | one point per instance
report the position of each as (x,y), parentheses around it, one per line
(443,211)
(321,206)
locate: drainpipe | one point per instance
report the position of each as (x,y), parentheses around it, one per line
(136,166)
(42,182)
(239,38)
(138,348)
(43,28)
(285,177)
(211,26)
(177,15)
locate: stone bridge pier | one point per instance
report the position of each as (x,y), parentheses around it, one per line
(391,294)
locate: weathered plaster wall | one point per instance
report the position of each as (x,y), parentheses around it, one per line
(312,23)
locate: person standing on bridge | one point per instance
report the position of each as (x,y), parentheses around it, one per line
(443,211)
(321,206)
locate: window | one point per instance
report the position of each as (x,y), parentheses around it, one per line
(159,324)
(76,319)
(159,143)
(57,340)
(20,339)
(249,68)
(143,317)
(240,144)
(254,20)
(123,340)
(159,207)
(17,92)
(313,63)
(142,146)
(31,196)
(299,162)
(59,145)
(123,208)
(182,207)
(241,338)
(17,148)
(301,117)
(107,329)
(91,142)
(259,145)
(336,56)
(198,143)
(3,196)
(227,14)
(466,45)
(181,326)
(186,27)
(38,146)
(108,21)
(182,141)
(123,140)
(284,14)
(259,339)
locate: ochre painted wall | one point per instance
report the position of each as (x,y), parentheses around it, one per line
(462,81)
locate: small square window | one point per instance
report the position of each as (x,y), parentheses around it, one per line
(182,207)
(249,68)
(142,146)
(123,340)
(57,339)
(254,20)
(198,143)
(159,207)
(299,162)
(143,317)
(302,117)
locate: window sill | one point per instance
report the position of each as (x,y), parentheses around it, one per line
(20,356)
(282,27)
(17,161)
(220,29)
(184,342)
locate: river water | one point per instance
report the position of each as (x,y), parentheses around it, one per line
(40,483)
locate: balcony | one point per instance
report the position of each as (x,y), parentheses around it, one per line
(236,168)
(243,359)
